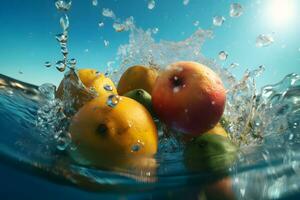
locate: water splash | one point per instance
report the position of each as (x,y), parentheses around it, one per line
(62,5)
(108,13)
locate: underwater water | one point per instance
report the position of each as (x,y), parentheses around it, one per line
(262,110)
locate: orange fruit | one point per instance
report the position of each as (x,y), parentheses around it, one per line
(84,86)
(119,134)
(137,77)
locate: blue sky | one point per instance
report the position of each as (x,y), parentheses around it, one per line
(28,28)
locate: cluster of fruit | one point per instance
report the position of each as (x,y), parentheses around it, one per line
(116,128)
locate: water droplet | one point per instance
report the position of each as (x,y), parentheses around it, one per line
(264,40)
(63,142)
(234,65)
(108,87)
(119,27)
(61,38)
(257,72)
(62,5)
(186,2)
(47,64)
(73,61)
(148,173)
(101,24)
(155,30)
(106,42)
(236,10)
(129,22)
(73,146)
(196,23)
(242,191)
(64,51)
(108,13)
(136,147)
(151,4)
(113,100)
(223,55)
(218,20)
(60,65)
(9,92)
(95,2)
(64,23)
(176,89)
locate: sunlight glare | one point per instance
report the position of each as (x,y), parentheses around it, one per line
(281,12)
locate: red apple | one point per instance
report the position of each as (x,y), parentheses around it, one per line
(189,97)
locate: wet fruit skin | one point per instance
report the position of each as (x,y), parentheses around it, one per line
(210,152)
(79,86)
(142,97)
(137,77)
(189,97)
(121,137)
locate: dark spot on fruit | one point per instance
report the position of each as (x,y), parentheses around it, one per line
(202,144)
(176,81)
(102,129)
(140,92)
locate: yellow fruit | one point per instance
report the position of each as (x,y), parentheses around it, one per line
(87,76)
(81,93)
(218,129)
(103,86)
(137,77)
(123,136)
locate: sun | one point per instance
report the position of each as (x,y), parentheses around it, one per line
(281,12)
